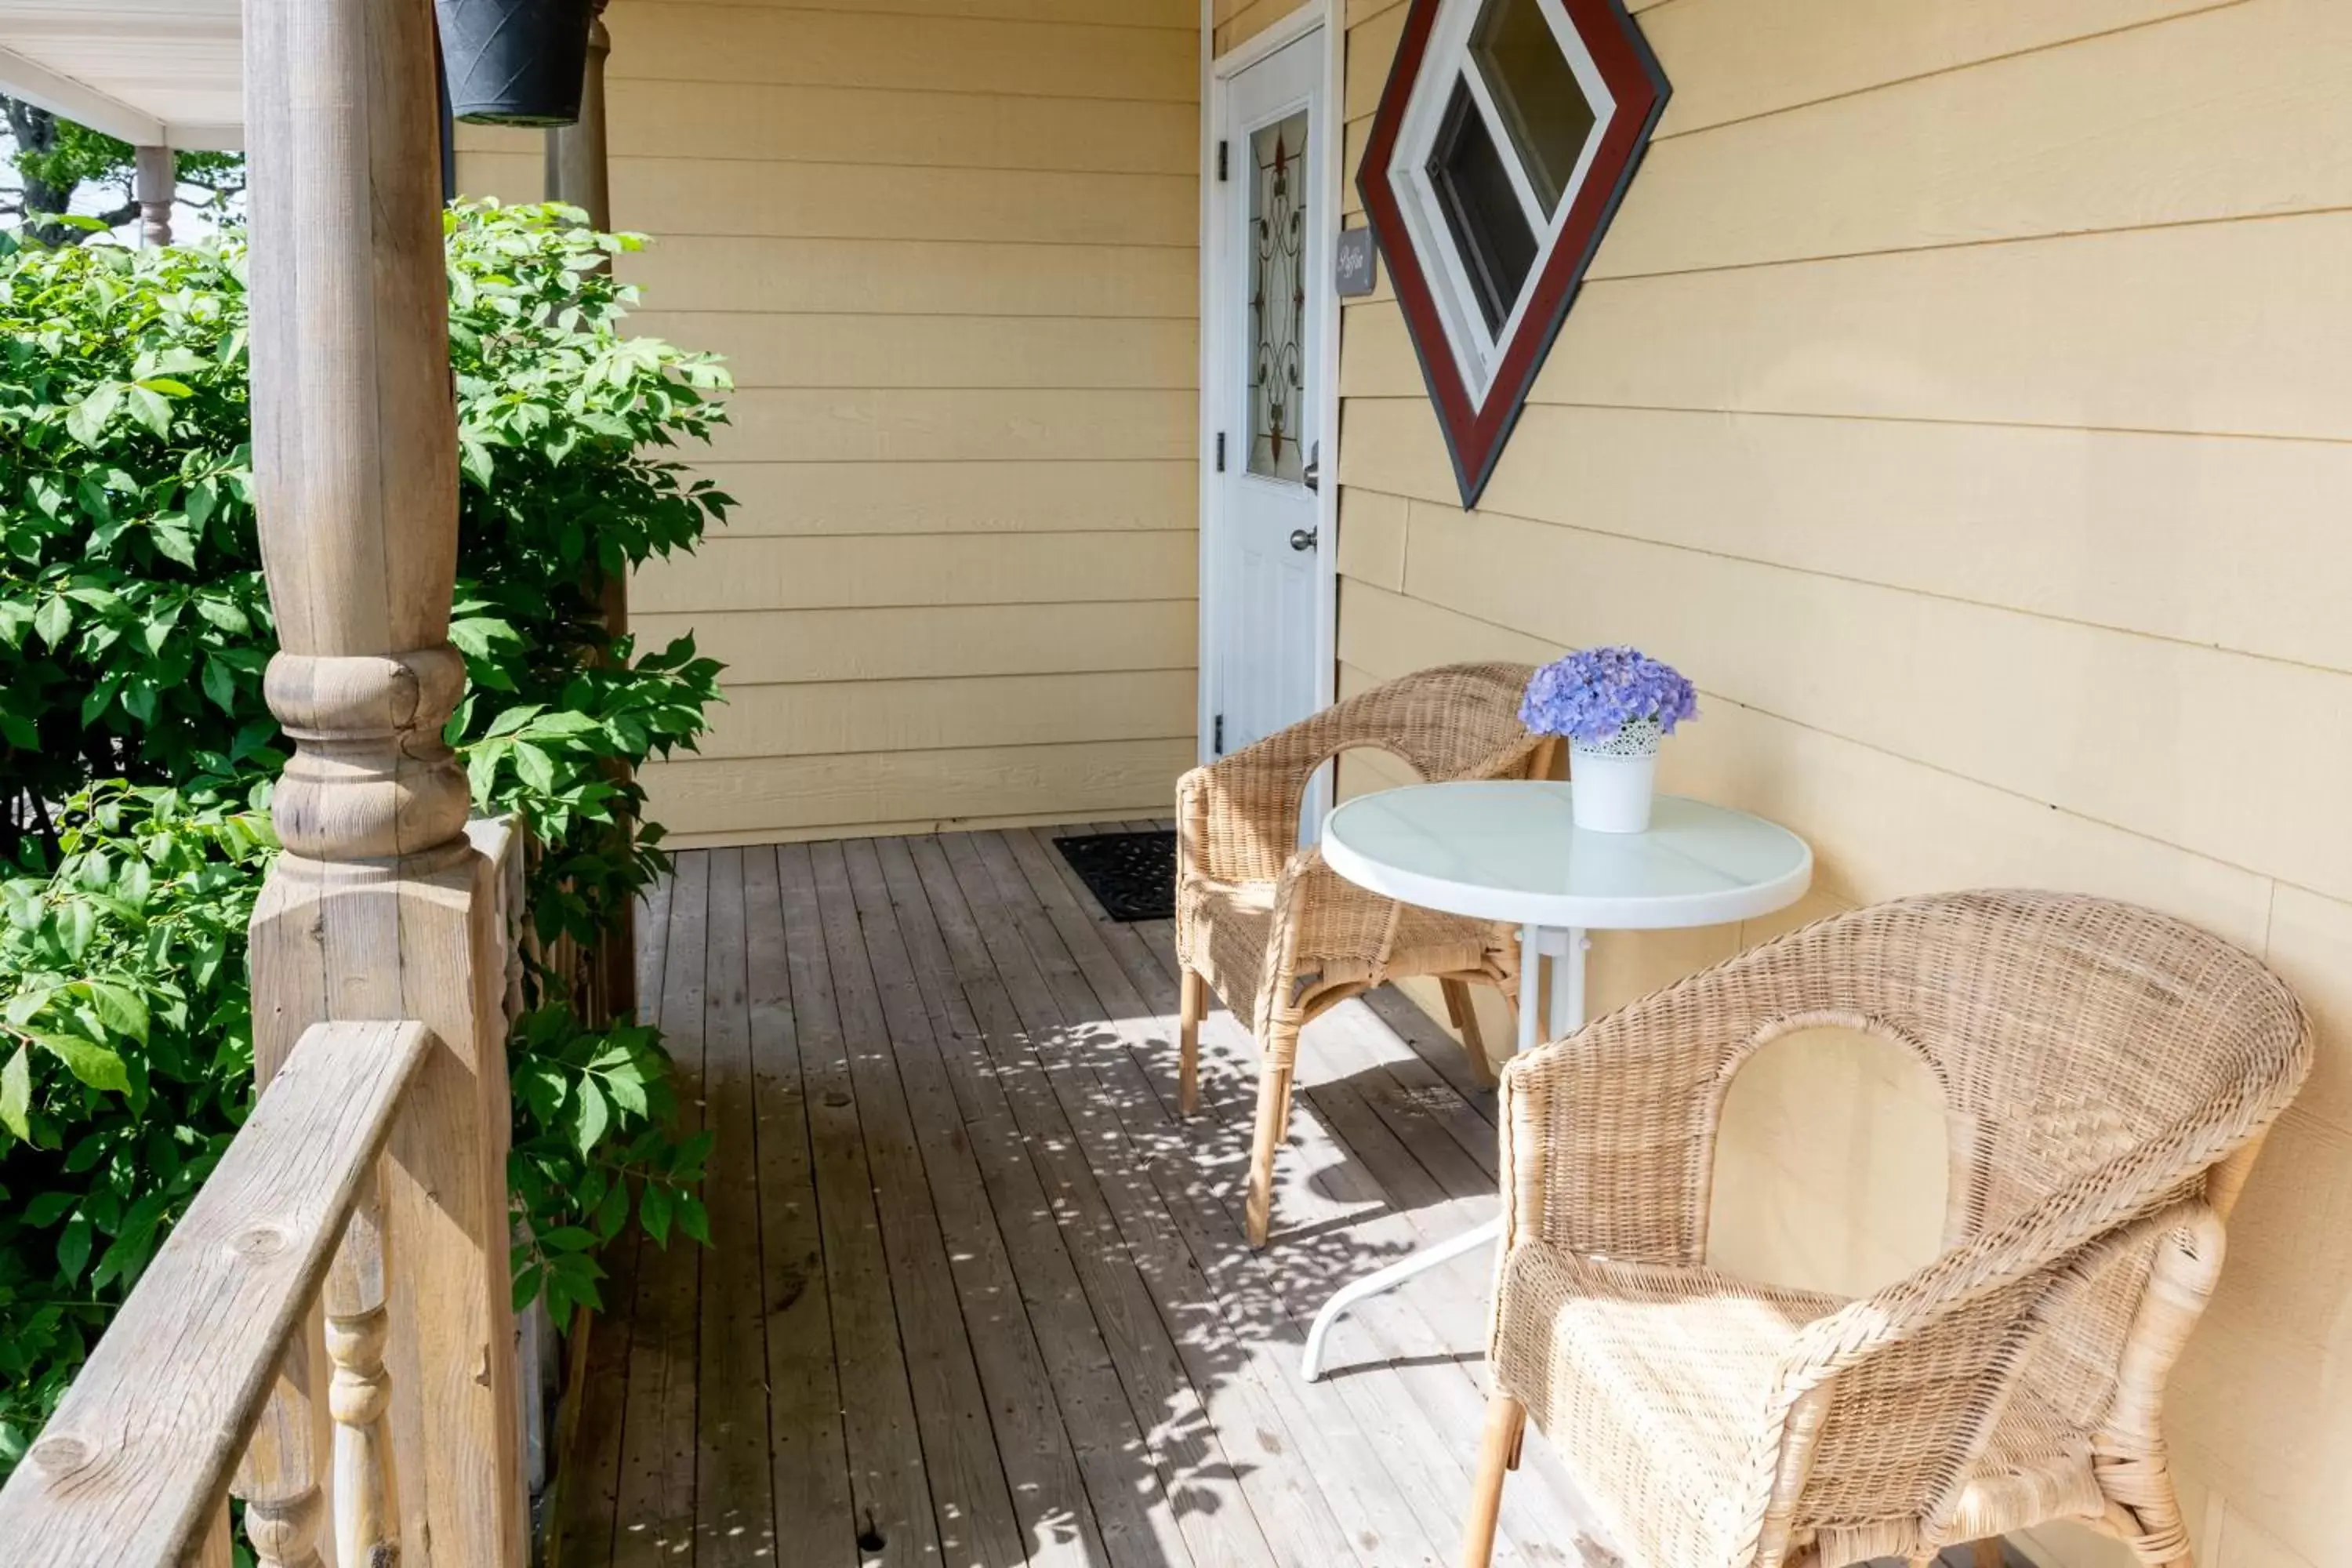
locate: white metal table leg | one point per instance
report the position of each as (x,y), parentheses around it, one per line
(1567,981)
(1566,949)
(1389,1278)
(1531,980)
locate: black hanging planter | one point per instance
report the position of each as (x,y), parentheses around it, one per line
(515,62)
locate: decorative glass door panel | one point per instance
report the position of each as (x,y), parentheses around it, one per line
(1277,306)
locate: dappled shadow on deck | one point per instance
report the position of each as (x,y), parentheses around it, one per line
(979,1295)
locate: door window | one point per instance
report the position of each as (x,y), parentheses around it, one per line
(1277,307)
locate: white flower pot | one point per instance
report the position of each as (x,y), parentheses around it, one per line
(1614,780)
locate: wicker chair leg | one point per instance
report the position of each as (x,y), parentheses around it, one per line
(1463,1009)
(2152,1525)
(1273,1125)
(1498,1453)
(1194,1004)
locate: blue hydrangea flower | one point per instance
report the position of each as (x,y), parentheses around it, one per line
(1591,694)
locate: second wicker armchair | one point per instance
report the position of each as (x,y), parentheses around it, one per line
(1277,935)
(2107,1074)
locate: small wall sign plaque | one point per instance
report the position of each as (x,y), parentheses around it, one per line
(1355,265)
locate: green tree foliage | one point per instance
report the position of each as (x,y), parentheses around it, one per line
(136,754)
(54,158)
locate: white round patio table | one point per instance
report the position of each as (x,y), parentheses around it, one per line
(1509,849)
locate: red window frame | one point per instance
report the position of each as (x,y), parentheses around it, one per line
(1475,431)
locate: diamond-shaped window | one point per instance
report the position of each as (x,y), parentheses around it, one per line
(1505,139)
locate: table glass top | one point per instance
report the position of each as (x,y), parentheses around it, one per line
(1510,850)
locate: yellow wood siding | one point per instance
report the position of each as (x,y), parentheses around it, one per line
(1236,22)
(1960,399)
(948,248)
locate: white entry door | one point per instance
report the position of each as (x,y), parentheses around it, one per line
(1264,555)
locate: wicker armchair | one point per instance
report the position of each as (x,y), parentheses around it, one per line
(1278,934)
(2107,1074)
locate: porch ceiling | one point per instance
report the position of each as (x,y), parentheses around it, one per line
(152,72)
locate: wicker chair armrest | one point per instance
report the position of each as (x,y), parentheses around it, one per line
(1232,824)
(1237,818)
(2043,1246)
(1327,930)
(1940,1346)
(1608,1136)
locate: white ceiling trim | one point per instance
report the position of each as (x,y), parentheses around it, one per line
(37,83)
(199,138)
(152,72)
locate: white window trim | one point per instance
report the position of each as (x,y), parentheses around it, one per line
(1477,354)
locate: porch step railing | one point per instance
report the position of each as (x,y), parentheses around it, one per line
(276,1280)
(136,1467)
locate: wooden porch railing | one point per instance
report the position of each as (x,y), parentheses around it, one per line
(279,1269)
(136,1467)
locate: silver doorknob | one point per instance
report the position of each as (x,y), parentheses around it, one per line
(1302,539)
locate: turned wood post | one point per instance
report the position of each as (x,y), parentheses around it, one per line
(154,178)
(379,908)
(577,167)
(579,172)
(359,1394)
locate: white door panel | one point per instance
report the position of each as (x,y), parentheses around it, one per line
(1272,250)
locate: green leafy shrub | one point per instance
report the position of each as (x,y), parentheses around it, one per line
(135,626)
(130,1064)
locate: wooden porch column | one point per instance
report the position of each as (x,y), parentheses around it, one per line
(155,173)
(579,172)
(379,908)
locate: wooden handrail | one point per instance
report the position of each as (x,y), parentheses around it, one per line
(133,1468)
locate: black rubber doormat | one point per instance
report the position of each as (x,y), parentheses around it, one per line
(1132,875)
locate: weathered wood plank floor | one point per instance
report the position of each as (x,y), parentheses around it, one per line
(979,1297)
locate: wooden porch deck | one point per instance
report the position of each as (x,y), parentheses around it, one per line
(979,1297)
